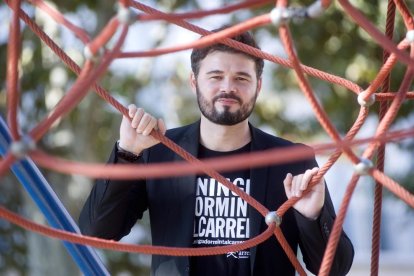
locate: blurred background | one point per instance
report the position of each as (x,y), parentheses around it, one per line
(332,43)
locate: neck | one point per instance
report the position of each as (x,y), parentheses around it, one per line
(224,138)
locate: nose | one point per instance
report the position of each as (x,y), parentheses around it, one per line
(227,86)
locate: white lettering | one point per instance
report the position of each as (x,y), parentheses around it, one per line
(221,223)
(240,228)
(230,225)
(202,185)
(201,230)
(222,207)
(210,228)
(208,206)
(222,228)
(239,182)
(241,208)
(220,213)
(222,190)
(199,206)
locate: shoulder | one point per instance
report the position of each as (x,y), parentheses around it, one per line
(178,132)
(186,137)
(266,140)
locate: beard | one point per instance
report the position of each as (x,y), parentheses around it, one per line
(225,116)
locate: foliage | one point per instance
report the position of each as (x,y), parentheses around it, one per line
(332,43)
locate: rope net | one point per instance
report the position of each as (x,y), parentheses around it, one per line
(97,62)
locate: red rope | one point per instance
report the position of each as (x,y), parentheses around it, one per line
(206,40)
(59,18)
(392,111)
(253,51)
(145,249)
(337,229)
(376,224)
(88,76)
(375,33)
(13,54)
(384,72)
(203,13)
(405,13)
(222,164)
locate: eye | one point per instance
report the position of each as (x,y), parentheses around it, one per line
(241,79)
(216,77)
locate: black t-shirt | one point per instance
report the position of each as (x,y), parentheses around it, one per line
(221,218)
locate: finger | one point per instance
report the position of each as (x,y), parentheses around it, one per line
(150,126)
(287,182)
(161,126)
(136,119)
(132,109)
(307,178)
(297,180)
(145,120)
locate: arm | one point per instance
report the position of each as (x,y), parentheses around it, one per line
(113,206)
(314,235)
(315,215)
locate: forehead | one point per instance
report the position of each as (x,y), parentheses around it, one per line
(227,62)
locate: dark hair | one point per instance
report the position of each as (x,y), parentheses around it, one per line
(197,55)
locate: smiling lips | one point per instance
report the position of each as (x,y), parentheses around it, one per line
(227,99)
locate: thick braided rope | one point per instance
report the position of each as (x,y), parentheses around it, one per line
(240,161)
(190,15)
(108,31)
(376,224)
(375,33)
(331,161)
(404,11)
(13,53)
(253,51)
(59,18)
(145,249)
(337,228)
(397,100)
(390,115)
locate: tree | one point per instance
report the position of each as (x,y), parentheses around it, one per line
(331,43)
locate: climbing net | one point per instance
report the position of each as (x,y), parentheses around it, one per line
(97,62)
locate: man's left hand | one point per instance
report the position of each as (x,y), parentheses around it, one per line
(310,205)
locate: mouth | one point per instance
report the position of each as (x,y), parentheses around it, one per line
(227,101)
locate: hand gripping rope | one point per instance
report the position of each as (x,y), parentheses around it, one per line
(98,60)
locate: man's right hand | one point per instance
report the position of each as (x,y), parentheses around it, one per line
(135,131)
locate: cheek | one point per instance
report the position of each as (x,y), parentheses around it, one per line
(209,88)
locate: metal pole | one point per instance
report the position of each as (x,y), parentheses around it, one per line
(47,201)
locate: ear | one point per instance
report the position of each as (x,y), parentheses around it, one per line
(193,82)
(259,85)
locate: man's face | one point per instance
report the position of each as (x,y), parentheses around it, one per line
(226,87)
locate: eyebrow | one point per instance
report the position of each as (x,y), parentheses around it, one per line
(240,73)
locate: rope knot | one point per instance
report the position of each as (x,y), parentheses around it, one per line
(124,15)
(364,166)
(366,102)
(20,148)
(280,15)
(89,55)
(273,217)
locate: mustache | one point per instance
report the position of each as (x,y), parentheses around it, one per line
(227,96)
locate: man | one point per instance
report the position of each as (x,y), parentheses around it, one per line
(195,210)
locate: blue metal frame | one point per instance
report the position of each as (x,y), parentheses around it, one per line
(56,214)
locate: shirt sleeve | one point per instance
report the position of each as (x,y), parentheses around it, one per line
(113,206)
(314,236)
